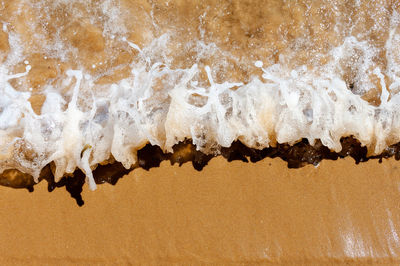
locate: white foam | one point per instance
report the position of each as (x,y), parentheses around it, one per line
(258,64)
(85,127)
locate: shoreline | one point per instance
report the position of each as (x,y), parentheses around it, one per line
(150,156)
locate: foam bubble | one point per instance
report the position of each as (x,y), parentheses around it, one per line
(258,64)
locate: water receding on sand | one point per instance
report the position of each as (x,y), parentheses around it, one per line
(87,84)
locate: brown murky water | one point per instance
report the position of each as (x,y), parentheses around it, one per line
(237,33)
(162,50)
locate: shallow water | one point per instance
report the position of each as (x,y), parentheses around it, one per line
(84,82)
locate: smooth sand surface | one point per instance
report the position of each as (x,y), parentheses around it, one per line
(338,212)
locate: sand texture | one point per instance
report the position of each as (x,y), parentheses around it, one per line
(338,213)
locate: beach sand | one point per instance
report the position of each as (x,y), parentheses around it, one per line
(306,67)
(338,213)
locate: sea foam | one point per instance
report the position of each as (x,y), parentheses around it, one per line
(82,124)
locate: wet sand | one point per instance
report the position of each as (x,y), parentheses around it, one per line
(232,212)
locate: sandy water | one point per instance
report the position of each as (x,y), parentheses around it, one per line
(83,81)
